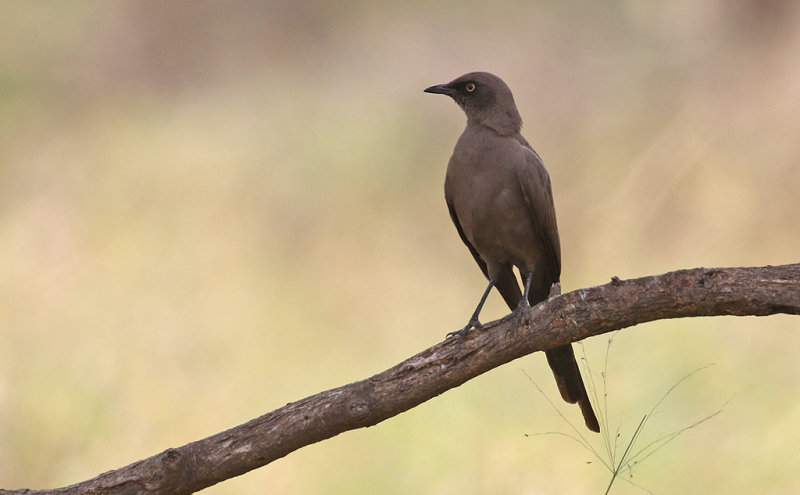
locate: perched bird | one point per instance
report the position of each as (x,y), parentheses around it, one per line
(499,196)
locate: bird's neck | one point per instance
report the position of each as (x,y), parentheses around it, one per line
(504,123)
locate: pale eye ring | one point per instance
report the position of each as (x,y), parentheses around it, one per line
(470,87)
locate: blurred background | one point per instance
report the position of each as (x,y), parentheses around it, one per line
(208,210)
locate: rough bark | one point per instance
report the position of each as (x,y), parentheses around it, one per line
(757,291)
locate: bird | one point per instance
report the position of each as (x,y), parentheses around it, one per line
(500,199)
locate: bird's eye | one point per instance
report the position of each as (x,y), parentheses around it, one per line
(470,87)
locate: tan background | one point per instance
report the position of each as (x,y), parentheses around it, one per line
(210,209)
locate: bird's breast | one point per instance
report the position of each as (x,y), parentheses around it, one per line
(495,218)
(483,184)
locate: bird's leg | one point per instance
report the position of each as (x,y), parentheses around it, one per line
(524,302)
(522,307)
(473,321)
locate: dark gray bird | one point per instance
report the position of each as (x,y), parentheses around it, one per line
(501,203)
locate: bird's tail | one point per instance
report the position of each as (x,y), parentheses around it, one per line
(570,383)
(561,359)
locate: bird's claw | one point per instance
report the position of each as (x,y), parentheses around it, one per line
(459,333)
(520,316)
(477,325)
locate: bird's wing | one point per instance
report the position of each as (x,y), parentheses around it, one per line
(535,184)
(481,263)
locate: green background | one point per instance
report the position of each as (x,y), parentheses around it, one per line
(210,209)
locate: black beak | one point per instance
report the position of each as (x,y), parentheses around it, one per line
(441,89)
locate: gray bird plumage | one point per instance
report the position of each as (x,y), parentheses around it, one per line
(500,200)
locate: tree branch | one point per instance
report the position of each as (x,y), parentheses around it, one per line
(757,291)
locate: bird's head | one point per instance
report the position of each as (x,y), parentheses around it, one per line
(486,100)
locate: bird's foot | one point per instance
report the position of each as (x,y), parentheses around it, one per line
(473,323)
(520,315)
